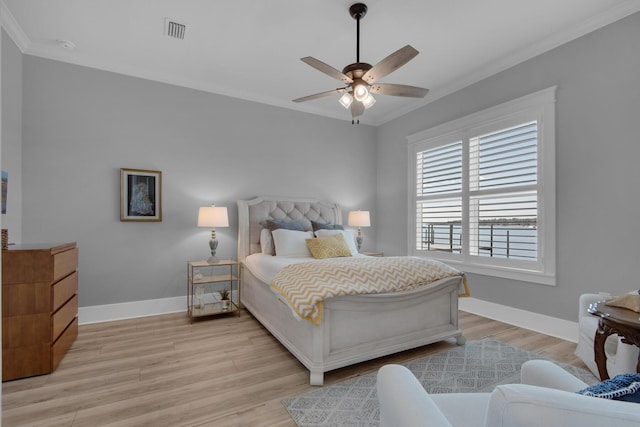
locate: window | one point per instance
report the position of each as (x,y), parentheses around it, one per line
(484,194)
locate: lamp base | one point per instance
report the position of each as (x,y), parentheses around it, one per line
(213,260)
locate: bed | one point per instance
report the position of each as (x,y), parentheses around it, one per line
(354,328)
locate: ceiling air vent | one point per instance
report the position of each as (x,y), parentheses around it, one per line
(174,29)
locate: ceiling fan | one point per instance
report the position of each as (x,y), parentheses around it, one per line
(360,78)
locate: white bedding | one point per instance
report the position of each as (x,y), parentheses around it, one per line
(264,267)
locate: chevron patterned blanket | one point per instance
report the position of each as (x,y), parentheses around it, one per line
(306,285)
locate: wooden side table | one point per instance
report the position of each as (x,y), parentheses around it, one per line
(614,320)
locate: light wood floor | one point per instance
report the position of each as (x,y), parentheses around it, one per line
(165,371)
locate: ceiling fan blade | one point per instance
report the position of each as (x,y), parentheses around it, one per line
(357,108)
(389,64)
(320,95)
(327,69)
(398,90)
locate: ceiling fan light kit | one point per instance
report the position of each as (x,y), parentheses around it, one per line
(360,77)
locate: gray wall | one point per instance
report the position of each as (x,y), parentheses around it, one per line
(12,135)
(81,125)
(597,148)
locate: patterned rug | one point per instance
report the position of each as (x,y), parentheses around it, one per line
(477,366)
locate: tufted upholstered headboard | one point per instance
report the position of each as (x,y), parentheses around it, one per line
(251,213)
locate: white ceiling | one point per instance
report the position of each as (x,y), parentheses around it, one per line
(252,49)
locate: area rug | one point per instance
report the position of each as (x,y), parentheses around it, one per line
(477,366)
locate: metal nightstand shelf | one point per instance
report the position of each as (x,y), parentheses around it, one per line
(204,283)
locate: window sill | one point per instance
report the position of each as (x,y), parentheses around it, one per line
(522,275)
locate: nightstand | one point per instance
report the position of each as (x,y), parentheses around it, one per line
(371,253)
(205,281)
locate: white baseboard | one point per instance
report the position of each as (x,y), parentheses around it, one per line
(547,325)
(131,310)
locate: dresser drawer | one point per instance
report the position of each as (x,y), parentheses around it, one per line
(64,263)
(26,361)
(63,317)
(63,344)
(63,290)
(28,330)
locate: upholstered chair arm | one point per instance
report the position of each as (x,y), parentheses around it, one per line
(527,405)
(404,402)
(543,373)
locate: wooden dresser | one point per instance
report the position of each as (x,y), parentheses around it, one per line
(39,307)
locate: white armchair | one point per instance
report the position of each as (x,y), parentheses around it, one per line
(621,358)
(546,397)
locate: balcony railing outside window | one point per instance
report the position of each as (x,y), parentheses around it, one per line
(500,239)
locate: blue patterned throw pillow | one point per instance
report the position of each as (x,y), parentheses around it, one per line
(325,226)
(624,387)
(284,223)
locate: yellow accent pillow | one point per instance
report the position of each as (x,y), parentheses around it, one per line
(328,247)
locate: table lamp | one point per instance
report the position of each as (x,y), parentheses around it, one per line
(213,216)
(359,219)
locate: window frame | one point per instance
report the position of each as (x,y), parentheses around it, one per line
(538,106)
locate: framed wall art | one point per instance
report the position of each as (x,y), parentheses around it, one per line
(140,195)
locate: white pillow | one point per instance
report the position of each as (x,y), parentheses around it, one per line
(266,242)
(291,243)
(349,237)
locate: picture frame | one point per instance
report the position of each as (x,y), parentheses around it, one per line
(140,195)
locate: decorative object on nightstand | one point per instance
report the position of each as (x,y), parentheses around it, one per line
(359,219)
(199,294)
(213,288)
(213,216)
(224,299)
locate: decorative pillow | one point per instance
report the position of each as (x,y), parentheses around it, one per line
(328,247)
(621,387)
(287,224)
(325,226)
(291,243)
(349,238)
(266,242)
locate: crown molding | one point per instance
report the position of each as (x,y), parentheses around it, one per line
(622,10)
(26,46)
(13,29)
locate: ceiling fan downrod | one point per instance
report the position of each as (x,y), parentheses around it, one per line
(357,12)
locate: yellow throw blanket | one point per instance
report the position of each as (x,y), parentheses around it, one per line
(306,285)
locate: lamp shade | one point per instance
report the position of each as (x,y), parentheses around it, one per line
(359,219)
(213,216)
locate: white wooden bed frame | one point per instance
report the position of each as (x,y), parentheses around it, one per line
(355,328)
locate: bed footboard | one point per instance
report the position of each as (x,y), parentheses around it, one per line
(357,328)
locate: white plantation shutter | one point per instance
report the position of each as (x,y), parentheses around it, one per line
(504,161)
(440,170)
(478,196)
(439,189)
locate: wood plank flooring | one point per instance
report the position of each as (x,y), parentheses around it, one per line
(226,371)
